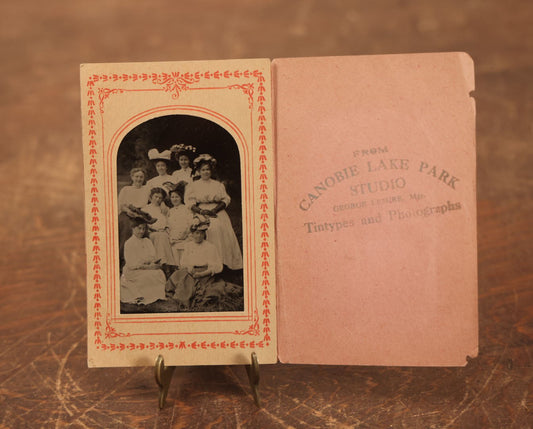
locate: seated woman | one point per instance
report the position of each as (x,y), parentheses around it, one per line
(142,280)
(208,197)
(158,230)
(135,195)
(194,286)
(183,154)
(179,221)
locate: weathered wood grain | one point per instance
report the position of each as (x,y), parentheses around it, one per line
(44,379)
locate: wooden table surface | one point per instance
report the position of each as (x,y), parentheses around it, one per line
(44,379)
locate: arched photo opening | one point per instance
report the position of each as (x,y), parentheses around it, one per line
(184,172)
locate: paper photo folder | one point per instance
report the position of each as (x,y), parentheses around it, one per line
(376,210)
(358,209)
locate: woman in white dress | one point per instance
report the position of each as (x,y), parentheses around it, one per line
(135,195)
(209,198)
(179,221)
(142,280)
(183,154)
(161,162)
(158,230)
(194,285)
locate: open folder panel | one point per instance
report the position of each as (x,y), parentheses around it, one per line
(376,209)
(311,210)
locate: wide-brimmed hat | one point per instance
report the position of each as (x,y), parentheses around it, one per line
(155,155)
(204,157)
(169,186)
(138,216)
(200,223)
(182,149)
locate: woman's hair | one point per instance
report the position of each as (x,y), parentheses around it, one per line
(180,190)
(200,161)
(198,165)
(136,170)
(138,221)
(179,194)
(183,149)
(201,230)
(158,191)
(165,161)
(183,153)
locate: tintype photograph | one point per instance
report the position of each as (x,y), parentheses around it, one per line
(179,179)
(179,217)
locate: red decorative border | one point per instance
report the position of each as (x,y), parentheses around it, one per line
(175,83)
(95,219)
(111,214)
(253,329)
(183,345)
(265,227)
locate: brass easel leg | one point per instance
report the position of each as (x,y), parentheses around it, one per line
(163,376)
(253,376)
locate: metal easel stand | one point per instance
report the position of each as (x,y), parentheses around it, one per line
(163,377)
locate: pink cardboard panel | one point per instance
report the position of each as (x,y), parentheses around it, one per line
(376,210)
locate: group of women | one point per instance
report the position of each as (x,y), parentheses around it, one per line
(174,232)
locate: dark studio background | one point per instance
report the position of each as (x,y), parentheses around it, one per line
(207,136)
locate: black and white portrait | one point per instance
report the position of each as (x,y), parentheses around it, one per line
(179,217)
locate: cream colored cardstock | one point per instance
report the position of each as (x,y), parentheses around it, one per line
(376,210)
(234,95)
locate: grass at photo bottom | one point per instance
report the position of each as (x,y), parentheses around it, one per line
(233,301)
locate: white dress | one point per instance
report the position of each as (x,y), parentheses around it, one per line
(159,235)
(183,174)
(207,194)
(155,211)
(157,181)
(138,285)
(129,195)
(179,222)
(203,254)
(137,197)
(193,292)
